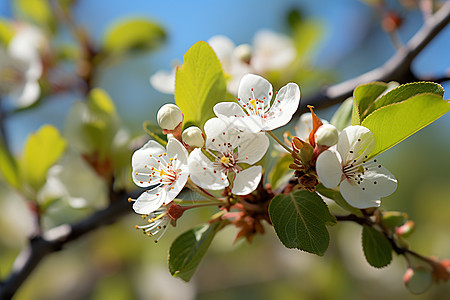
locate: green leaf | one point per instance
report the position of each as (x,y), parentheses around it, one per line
(280,170)
(188,249)
(8,166)
(393,123)
(364,95)
(42,149)
(137,34)
(6,32)
(91,126)
(199,85)
(299,220)
(377,250)
(337,197)
(403,93)
(38,11)
(155,132)
(393,219)
(343,116)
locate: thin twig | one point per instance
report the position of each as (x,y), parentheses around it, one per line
(397,68)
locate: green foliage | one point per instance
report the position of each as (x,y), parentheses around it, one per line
(136,34)
(38,11)
(92,125)
(8,166)
(42,149)
(155,132)
(280,170)
(343,116)
(377,250)
(393,219)
(199,85)
(6,32)
(394,116)
(188,249)
(299,220)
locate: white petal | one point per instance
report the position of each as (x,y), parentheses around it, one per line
(357,197)
(164,81)
(203,174)
(228,109)
(219,134)
(252,147)
(378,181)
(355,142)
(284,106)
(149,201)
(223,46)
(141,156)
(175,188)
(247,181)
(329,168)
(27,94)
(176,149)
(254,87)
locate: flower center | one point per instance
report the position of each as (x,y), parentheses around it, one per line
(166,173)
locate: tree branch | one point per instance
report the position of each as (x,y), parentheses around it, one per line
(55,239)
(397,68)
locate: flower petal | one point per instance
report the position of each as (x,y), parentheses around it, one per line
(378,180)
(228,109)
(203,173)
(141,157)
(329,168)
(284,106)
(357,197)
(355,143)
(254,87)
(164,81)
(252,147)
(149,201)
(247,181)
(176,149)
(175,188)
(219,134)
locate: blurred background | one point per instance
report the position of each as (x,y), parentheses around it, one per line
(342,39)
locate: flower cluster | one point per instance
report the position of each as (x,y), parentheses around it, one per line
(269,51)
(225,157)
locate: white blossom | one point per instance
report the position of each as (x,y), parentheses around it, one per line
(227,149)
(362,182)
(164,171)
(256,111)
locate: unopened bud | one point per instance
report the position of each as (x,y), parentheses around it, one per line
(243,53)
(327,135)
(406,229)
(193,137)
(169,116)
(418,280)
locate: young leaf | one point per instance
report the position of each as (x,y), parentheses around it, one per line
(42,149)
(6,32)
(393,123)
(199,85)
(8,166)
(188,249)
(403,93)
(38,11)
(364,95)
(133,35)
(343,116)
(299,220)
(377,250)
(155,132)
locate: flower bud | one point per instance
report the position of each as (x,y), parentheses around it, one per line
(169,116)
(193,137)
(327,135)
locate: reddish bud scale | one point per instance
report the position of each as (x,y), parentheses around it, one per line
(176,211)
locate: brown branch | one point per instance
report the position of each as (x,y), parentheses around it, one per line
(56,238)
(397,68)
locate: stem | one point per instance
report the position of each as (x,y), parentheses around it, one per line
(279,142)
(192,186)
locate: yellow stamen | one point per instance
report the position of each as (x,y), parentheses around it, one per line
(225,160)
(158,217)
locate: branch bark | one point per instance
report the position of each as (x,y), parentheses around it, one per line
(56,238)
(397,68)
